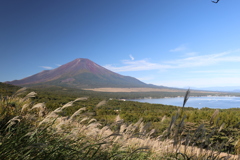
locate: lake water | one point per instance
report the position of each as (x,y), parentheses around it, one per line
(197,102)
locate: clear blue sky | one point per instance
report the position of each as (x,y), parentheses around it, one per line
(177,43)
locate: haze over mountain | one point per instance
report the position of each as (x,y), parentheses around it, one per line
(80,73)
(220,89)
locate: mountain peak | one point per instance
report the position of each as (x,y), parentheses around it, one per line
(82,73)
(82,65)
(78,60)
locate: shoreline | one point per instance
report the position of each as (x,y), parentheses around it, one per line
(183,97)
(109,89)
(211,102)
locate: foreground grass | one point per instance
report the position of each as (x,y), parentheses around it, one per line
(31,131)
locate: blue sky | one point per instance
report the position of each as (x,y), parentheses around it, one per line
(178,43)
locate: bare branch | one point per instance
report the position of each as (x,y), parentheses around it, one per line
(216,1)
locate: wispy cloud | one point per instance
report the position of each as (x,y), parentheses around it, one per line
(220,71)
(190,54)
(179,48)
(203,60)
(132,58)
(46,67)
(139,65)
(191,61)
(202,82)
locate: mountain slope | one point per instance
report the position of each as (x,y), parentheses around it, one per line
(80,73)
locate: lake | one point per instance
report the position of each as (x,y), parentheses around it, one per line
(197,102)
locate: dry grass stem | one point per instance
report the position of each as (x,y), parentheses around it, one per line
(101,103)
(77,113)
(81,99)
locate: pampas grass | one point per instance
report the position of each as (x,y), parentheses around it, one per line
(92,120)
(13,121)
(19,92)
(39,106)
(101,103)
(30,134)
(216,112)
(24,108)
(81,99)
(29,95)
(77,113)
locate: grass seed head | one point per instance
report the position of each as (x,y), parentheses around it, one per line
(80,99)
(101,103)
(39,106)
(19,92)
(77,113)
(24,107)
(69,104)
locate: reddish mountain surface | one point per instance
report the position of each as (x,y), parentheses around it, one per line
(81,73)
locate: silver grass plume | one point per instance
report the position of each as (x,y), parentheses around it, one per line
(172,124)
(94,125)
(41,107)
(69,104)
(105,131)
(80,99)
(138,122)
(30,95)
(144,127)
(78,112)
(92,120)
(58,110)
(19,92)
(123,128)
(141,128)
(213,116)
(84,119)
(132,127)
(163,119)
(13,121)
(52,115)
(151,132)
(221,127)
(49,118)
(24,107)
(187,95)
(38,106)
(103,102)
(118,119)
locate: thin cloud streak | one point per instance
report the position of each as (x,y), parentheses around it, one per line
(202,82)
(203,60)
(190,54)
(192,61)
(178,49)
(221,71)
(46,67)
(132,58)
(141,65)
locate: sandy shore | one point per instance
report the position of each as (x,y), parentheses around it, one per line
(134,90)
(141,90)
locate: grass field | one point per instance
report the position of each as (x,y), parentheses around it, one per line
(32,131)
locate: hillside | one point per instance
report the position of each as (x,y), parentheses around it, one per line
(80,73)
